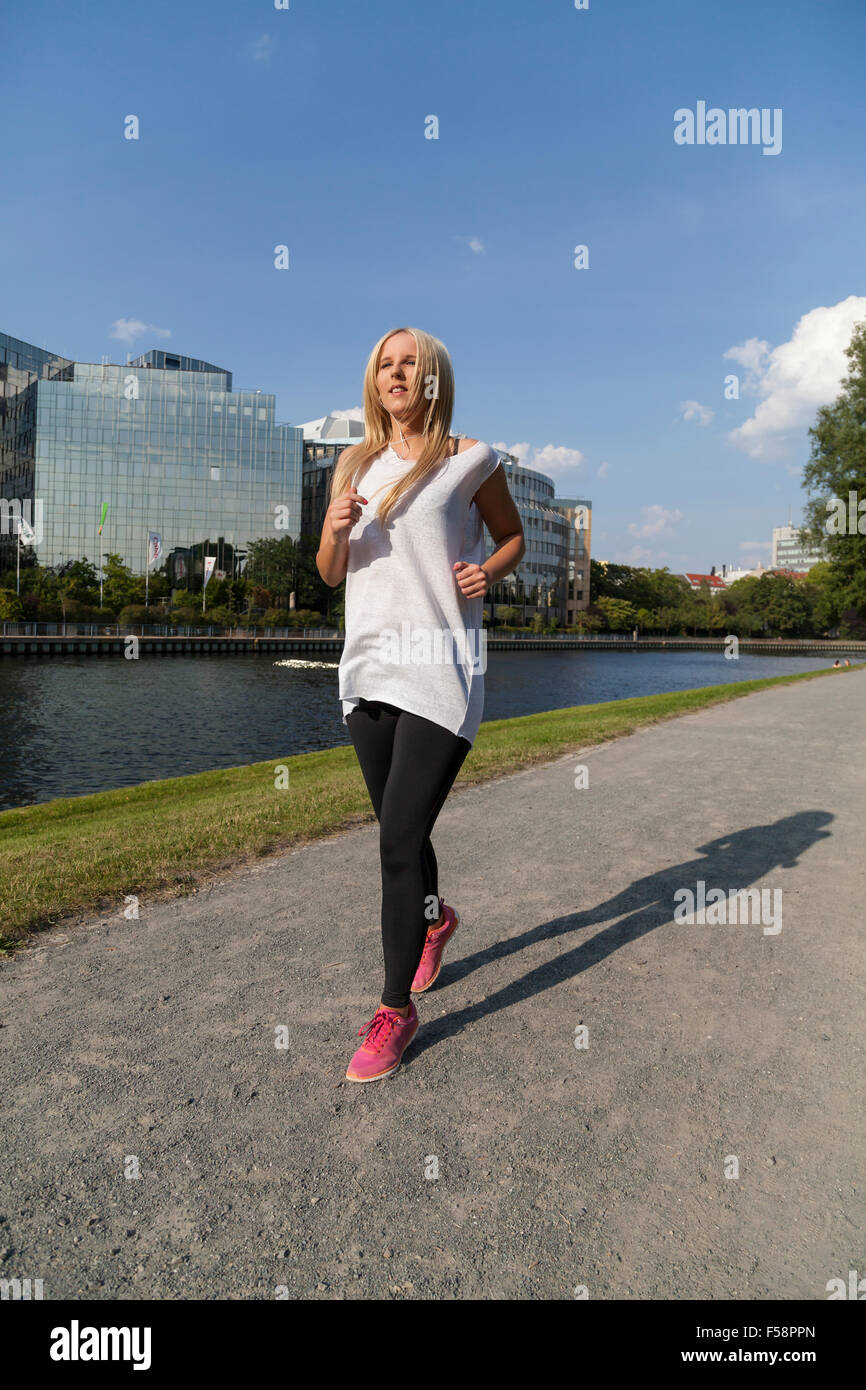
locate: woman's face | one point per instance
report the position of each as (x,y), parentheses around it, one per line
(396,370)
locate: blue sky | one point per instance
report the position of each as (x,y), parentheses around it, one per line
(306,127)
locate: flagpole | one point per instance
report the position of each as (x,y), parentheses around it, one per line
(147,571)
(18,563)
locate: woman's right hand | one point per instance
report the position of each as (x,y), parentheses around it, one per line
(344,512)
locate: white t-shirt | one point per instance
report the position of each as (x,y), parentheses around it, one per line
(412,638)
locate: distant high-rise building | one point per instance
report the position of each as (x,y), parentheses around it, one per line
(788,553)
(164,441)
(578,513)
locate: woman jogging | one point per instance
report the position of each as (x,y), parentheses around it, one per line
(409,546)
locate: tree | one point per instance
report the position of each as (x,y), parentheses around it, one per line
(669,619)
(11,607)
(644,588)
(618,614)
(819,590)
(589,619)
(121,587)
(270,563)
(837,468)
(79,580)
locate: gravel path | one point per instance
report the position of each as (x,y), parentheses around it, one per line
(501,1160)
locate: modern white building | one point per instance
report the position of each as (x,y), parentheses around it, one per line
(789,553)
(731,575)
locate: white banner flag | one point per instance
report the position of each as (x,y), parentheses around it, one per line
(26,532)
(209,562)
(154,548)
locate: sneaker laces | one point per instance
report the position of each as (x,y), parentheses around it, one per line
(378,1029)
(430,939)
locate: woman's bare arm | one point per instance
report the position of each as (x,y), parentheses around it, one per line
(502,519)
(332,557)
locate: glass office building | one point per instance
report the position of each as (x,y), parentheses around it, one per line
(553,576)
(578,513)
(164,441)
(21,366)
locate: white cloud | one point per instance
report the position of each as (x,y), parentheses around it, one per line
(602,469)
(752,354)
(656,519)
(127,330)
(520,451)
(638,555)
(553,459)
(261,48)
(556,459)
(693,410)
(795,378)
(755,545)
(474,243)
(355,412)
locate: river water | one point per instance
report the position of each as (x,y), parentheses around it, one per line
(77,724)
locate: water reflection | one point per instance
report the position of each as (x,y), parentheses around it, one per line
(73,725)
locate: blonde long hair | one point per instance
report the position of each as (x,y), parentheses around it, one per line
(433,380)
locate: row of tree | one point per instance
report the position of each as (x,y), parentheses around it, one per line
(776,605)
(280,586)
(622,598)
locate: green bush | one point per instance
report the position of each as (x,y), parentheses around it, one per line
(11,607)
(139,613)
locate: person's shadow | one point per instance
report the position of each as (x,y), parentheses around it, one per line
(732,861)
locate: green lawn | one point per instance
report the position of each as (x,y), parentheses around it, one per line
(84,854)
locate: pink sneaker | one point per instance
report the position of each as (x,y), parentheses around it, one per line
(431,957)
(388,1036)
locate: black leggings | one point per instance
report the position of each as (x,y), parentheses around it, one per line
(409,765)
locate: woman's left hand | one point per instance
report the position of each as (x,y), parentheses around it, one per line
(472,579)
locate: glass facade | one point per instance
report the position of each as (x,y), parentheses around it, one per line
(553,575)
(170,448)
(22,366)
(578,513)
(319,459)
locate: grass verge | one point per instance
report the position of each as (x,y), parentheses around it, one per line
(75,855)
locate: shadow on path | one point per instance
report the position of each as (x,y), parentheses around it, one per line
(731,862)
